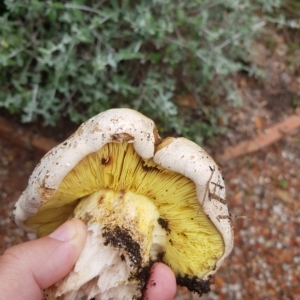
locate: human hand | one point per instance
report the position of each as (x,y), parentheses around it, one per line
(27,269)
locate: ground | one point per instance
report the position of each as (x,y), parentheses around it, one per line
(262,187)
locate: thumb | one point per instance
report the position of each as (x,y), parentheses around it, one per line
(28,268)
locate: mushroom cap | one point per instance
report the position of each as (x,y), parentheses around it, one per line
(115,125)
(137,134)
(189,159)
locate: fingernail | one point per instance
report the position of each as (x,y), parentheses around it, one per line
(65,232)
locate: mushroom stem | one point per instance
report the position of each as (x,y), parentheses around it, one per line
(124,239)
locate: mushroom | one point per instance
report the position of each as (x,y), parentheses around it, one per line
(143,200)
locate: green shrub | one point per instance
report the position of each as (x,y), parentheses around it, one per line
(77,58)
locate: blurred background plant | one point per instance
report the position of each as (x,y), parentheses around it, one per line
(172,60)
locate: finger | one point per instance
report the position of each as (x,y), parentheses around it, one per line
(162,283)
(28,268)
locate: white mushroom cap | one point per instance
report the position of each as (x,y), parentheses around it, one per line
(115,125)
(187,158)
(189,171)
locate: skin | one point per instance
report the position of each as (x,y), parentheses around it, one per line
(27,269)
